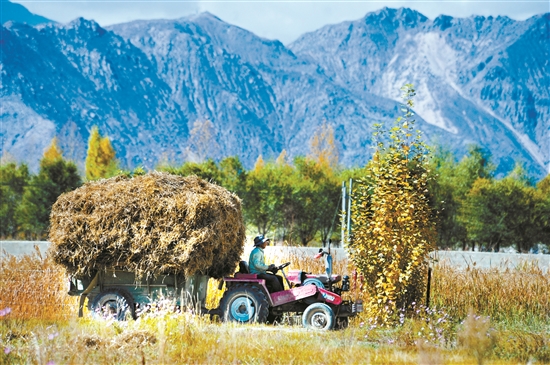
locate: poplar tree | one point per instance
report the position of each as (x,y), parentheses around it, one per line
(100,159)
(323,147)
(393,224)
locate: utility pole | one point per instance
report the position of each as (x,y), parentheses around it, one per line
(343,219)
(346,213)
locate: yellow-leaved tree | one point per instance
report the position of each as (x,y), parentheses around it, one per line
(100,160)
(53,152)
(393,224)
(323,148)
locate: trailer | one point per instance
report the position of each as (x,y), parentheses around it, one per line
(119,295)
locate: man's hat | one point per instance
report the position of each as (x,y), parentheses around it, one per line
(258,240)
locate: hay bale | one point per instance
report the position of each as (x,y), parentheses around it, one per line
(152,224)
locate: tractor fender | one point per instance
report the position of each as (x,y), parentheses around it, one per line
(259,283)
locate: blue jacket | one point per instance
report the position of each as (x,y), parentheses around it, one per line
(256,261)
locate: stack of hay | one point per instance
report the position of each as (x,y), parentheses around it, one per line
(152,225)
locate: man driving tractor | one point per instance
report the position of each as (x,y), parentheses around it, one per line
(256,264)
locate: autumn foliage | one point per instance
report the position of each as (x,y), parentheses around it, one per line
(393,228)
(100,161)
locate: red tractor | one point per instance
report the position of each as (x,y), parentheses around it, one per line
(316,297)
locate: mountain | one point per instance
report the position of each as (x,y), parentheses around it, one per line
(486,80)
(62,80)
(19,14)
(145,83)
(261,97)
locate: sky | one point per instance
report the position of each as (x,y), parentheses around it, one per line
(284,20)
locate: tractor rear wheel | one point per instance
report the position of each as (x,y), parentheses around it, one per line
(318,316)
(113,303)
(244,304)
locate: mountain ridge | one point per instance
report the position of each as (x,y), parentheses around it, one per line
(145,83)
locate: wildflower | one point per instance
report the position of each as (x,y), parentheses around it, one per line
(50,362)
(7,350)
(51,336)
(5,311)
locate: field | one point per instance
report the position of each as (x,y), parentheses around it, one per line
(496,316)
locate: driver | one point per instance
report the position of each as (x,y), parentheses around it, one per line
(256,264)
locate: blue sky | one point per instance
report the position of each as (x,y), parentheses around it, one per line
(274,19)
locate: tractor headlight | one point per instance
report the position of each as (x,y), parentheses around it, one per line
(345,283)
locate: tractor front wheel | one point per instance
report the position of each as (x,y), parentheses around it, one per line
(244,304)
(318,316)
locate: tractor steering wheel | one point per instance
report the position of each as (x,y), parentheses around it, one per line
(283,266)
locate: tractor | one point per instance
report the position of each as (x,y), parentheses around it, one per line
(317,297)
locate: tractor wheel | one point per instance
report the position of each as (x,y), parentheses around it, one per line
(244,304)
(318,316)
(113,303)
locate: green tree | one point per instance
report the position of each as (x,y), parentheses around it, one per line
(56,176)
(207,170)
(267,190)
(508,211)
(393,223)
(450,188)
(13,179)
(543,193)
(100,159)
(233,175)
(315,199)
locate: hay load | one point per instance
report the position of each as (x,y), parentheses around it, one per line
(152,224)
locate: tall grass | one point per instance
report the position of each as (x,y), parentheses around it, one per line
(34,287)
(509,305)
(521,293)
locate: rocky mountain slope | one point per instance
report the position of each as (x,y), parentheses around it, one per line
(145,83)
(484,79)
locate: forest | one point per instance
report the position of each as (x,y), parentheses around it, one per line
(298,201)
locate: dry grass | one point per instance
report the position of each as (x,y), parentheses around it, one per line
(33,287)
(520,293)
(55,334)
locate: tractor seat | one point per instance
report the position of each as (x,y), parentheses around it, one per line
(244,272)
(324,278)
(243,268)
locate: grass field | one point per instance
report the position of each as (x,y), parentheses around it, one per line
(476,316)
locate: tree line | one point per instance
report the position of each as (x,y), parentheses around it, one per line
(298,201)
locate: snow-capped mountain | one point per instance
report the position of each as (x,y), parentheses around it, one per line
(145,83)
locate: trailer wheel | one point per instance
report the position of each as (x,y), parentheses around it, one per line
(318,316)
(244,304)
(113,303)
